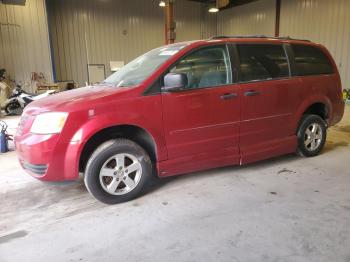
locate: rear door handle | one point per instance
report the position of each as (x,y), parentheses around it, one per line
(228,96)
(252,93)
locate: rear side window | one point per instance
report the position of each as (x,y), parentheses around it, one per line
(310,60)
(262,62)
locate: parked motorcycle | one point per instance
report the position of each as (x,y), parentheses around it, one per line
(19,99)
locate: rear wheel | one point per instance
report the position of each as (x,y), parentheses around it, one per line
(312,133)
(117,171)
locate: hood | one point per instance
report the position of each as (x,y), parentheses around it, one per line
(73,99)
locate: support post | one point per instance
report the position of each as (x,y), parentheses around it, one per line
(278,18)
(170,24)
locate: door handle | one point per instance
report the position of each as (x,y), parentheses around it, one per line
(228,96)
(252,93)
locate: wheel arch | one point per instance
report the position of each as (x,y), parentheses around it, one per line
(132,132)
(319,109)
(320,106)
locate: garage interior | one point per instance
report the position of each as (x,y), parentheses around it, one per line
(283,209)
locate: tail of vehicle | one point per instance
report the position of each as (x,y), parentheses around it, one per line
(336,95)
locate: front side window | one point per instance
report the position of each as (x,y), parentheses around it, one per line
(141,68)
(207,67)
(310,60)
(262,62)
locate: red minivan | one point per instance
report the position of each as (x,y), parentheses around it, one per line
(181,108)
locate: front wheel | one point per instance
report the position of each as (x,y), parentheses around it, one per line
(117,171)
(13,108)
(312,133)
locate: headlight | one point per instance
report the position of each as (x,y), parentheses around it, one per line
(49,123)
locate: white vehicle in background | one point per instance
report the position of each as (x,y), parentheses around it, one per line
(19,99)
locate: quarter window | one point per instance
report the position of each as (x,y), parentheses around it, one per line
(262,62)
(310,60)
(207,67)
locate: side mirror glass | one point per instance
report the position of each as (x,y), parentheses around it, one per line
(175,82)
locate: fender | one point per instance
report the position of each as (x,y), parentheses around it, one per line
(310,101)
(87,135)
(92,126)
(97,124)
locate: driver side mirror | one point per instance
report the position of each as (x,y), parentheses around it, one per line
(174,82)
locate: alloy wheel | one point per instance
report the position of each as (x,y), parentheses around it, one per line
(313,136)
(120,174)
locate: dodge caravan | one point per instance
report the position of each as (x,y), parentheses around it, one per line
(181,108)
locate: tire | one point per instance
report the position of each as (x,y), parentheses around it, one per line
(103,173)
(13,108)
(312,134)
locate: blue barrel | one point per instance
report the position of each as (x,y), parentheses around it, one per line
(3,142)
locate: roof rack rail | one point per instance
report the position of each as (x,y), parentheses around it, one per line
(257,36)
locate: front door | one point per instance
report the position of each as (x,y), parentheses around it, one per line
(201,123)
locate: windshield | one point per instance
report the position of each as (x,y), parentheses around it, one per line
(142,67)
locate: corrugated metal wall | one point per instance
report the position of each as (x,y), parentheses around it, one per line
(323,21)
(208,23)
(254,18)
(97,32)
(188,23)
(120,30)
(24,43)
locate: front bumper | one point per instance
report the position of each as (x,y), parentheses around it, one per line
(47,157)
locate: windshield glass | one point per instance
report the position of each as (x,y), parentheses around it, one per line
(142,67)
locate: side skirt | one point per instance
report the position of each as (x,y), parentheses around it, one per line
(268,150)
(194,163)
